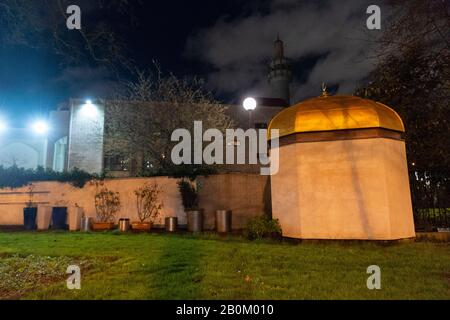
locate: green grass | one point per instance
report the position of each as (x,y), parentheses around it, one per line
(153,266)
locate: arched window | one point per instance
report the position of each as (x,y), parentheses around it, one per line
(60,155)
(19,154)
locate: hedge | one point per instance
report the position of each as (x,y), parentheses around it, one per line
(15,177)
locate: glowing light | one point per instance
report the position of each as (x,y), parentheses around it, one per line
(3,126)
(250,104)
(40,127)
(89,110)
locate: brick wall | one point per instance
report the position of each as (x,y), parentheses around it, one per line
(86,138)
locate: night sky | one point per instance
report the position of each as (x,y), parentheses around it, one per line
(228,43)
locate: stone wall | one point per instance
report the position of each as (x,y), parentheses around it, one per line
(242,193)
(86,137)
(247,195)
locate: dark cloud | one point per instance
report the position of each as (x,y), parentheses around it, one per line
(335,32)
(85,81)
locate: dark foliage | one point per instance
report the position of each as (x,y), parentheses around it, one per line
(262,227)
(412,75)
(15,177)
(416,84)
(190,172)
(189,195)
(430,192)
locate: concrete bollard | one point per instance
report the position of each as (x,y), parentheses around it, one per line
(86,224)
(124,225)
(44,217)
(195,220)
(171,224)
(75,215)
(223,221)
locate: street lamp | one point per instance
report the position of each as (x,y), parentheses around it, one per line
(3,126)
(250,104)
(89,110)
(40,127)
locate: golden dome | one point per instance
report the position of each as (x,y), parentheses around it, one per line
(329,113)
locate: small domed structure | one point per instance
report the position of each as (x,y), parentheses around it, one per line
(329,113)
(342,171)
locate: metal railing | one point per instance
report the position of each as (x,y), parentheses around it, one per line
(430,192)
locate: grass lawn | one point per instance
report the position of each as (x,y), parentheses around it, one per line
(154,266)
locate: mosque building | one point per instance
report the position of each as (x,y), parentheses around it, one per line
(77,130)
(342,159)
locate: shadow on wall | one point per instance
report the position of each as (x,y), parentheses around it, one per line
(358,191)
(359,196)
(244,194)
(268,198)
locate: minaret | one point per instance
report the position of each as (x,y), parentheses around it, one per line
(280,75)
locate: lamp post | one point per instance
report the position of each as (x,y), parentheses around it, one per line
(250,104)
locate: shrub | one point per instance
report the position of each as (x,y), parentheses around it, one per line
(107,202)
(15,177)
(77,178)
(148,205)
(30,192)
(189,194)
(262,227)
(189,171)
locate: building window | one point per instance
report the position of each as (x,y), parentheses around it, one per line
(60,155)
(117,163)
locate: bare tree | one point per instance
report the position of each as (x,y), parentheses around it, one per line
(416,22)
(140,120)
(41,24)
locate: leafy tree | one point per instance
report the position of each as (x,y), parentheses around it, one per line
(412,75)
(417,86)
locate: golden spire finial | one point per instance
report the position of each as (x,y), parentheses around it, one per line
(324,90)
